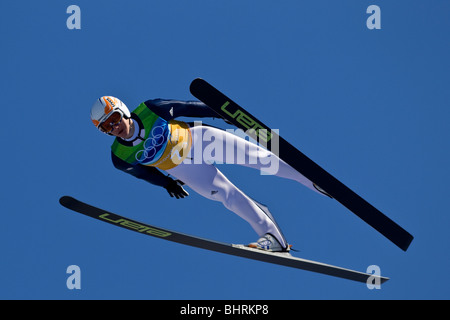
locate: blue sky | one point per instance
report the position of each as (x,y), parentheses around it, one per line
(370,106)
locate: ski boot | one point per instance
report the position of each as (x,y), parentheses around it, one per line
(269,243)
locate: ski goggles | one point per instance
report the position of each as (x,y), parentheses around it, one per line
(113,120)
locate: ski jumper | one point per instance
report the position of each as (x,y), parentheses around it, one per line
(161,143)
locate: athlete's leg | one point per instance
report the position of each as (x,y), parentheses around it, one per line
(224,147)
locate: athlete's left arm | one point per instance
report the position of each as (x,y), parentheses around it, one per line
(171,109)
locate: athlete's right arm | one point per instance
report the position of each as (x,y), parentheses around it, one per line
(171,109)
(151,175)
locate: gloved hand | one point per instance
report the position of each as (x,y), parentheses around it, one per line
(175,189)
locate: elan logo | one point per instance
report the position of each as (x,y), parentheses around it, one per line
(251,125)
(136,226)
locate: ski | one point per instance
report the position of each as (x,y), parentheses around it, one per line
(281,258)
(242,119)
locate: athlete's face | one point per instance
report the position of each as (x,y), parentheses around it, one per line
(122,129)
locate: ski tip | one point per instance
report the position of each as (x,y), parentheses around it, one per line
(197,80)
(195,83)
(66,200)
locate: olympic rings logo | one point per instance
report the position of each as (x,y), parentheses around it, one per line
(152,145)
